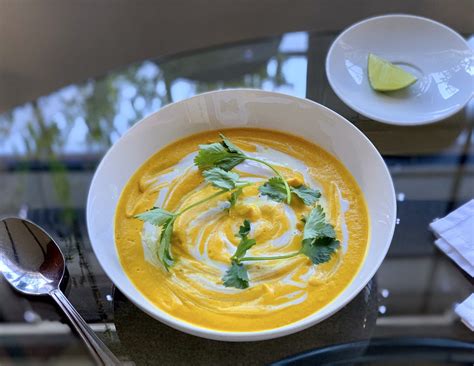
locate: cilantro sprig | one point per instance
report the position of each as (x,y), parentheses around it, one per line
(218,178)
(275,189)
(226,155)
(237,276)
(319,244)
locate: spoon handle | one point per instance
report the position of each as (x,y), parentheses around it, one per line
(99,351)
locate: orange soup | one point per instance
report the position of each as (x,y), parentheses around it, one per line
(204,237)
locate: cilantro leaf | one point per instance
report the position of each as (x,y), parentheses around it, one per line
(319,237)
(308,195)
(316,225)
(222,179)
(244,229)
(319,250)
(164,249)
(234,197)
(156,216)
(236,276)
(275,189)
(219,155)
(160,217)
(229,145)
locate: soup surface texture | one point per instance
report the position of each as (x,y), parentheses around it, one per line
(280,292)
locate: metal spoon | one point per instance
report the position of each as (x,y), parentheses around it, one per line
(33,264)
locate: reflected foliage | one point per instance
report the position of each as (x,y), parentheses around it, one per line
(83,120)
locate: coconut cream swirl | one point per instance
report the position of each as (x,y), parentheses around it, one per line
(204,237)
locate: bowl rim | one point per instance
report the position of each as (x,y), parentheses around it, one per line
(373,116)
(288,329)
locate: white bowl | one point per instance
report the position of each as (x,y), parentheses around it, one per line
(438,56)
(241,108)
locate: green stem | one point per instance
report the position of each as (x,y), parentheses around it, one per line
(199,202)
(248,259)
(287,187)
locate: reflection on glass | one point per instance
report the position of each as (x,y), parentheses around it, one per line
(294,42)
(79,123)
(87,118)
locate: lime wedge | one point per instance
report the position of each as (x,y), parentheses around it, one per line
(385,76)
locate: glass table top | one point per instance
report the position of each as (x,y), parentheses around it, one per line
(50,147)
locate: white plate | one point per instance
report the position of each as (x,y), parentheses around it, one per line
(241,108)
(437,55)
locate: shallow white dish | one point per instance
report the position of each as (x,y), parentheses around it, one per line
(438,56)
(241,108)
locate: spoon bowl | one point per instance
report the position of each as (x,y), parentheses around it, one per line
(30,260)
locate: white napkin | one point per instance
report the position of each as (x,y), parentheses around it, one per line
(455,234)
(466,311)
